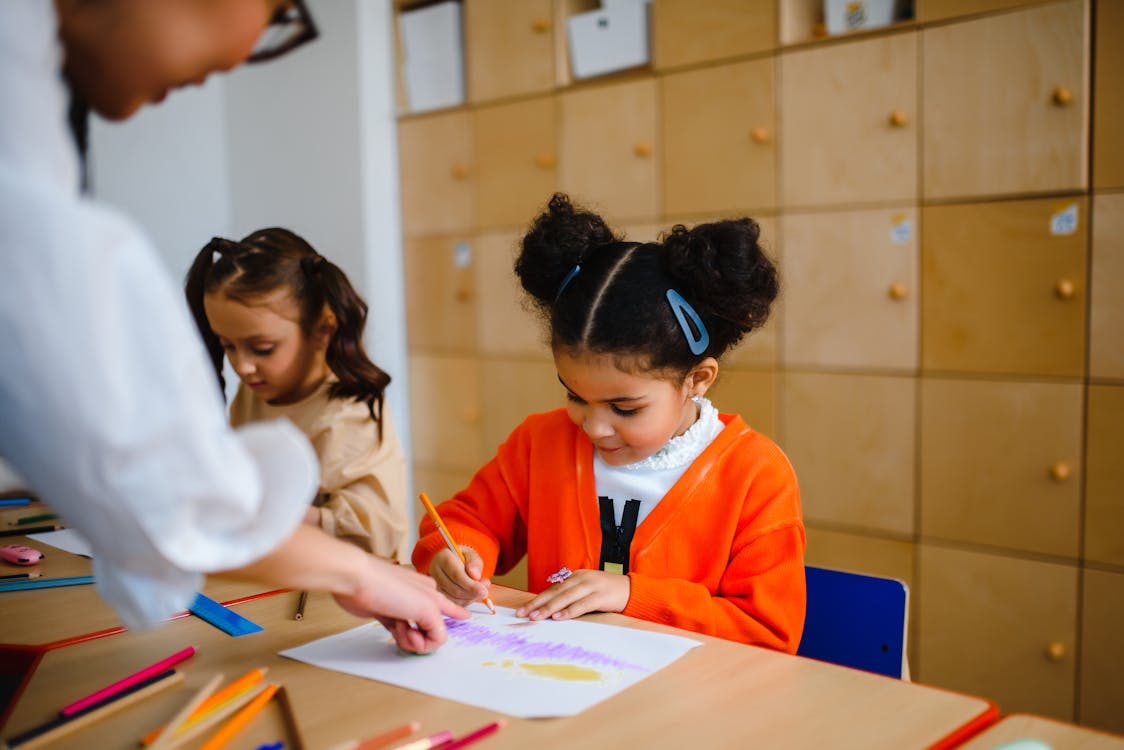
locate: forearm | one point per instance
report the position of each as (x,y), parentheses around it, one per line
(310,559)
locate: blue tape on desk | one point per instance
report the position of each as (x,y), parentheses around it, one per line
(221,617)
(44,583)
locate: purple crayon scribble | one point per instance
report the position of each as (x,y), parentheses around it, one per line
(511,642)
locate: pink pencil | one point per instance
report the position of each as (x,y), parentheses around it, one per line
(471,737)
(117,687)
(439,739)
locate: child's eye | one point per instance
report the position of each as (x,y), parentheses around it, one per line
(228,348)
(571,397)
(263,351)
(625,412)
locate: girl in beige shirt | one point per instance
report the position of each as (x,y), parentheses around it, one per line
(291,325)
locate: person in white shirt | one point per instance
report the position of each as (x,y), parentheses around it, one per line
(108,405)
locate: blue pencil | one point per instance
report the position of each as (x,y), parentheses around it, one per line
(6,501)
(44,583)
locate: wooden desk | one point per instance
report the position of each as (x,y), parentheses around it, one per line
(721,694)
(1056,734)
(45,616)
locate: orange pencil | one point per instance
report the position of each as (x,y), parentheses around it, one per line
(449,540)
(245,682)
(232,727)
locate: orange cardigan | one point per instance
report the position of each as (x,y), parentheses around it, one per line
(722,553)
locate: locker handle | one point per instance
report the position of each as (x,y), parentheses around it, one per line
(1065,289)
(899,119)
(1062,96)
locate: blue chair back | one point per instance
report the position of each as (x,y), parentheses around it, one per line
(855,620)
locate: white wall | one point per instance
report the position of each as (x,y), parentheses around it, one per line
(305,142)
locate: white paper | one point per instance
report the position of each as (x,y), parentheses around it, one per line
(68,540)
(432,59)
(505,663)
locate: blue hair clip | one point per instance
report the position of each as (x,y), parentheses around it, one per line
(566,281)
(683,311)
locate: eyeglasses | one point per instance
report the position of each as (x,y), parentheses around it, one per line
(290,27)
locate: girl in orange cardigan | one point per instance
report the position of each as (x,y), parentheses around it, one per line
(662,508)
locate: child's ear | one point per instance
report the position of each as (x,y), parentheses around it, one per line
(326,327)
(702,376)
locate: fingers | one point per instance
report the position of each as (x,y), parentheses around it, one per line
(586,591)
(453,580)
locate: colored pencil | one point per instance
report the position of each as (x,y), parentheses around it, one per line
(471,737)
(299,614)
(381,740)
(63,726)
(11,501)
(449,540)
(165,739)
(117,687)
(228,693)
(20,576)
(438,739)
(232,727)
(44,583)
(193,729)
(24,520)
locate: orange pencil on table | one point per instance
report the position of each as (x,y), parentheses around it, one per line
(449,540)
(234,689)
(232,727)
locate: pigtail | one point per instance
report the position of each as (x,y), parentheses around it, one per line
(358,377)
(554,248)
(194,288)
(722,269)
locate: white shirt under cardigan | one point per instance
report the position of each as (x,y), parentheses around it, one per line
(649,480)
(109,407)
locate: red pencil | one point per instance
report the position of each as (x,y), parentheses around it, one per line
(471,737)
(117,687)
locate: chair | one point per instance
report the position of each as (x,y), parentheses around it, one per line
(856,620)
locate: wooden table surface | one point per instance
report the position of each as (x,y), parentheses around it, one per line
(1056,734)
(721,694)
(32,617)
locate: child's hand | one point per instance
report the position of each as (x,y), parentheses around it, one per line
(585,591)
(456,580)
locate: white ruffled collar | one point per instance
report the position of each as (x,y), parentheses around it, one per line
(681,450)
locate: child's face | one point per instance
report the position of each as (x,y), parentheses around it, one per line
(627,416)
(266,346)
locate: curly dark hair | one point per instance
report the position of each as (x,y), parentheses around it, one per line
(616,301)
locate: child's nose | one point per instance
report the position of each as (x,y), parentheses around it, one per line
(242,365)
(596,427)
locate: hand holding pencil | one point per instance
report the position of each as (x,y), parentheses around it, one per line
(456,578)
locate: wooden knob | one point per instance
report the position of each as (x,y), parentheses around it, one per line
(899,119)
(760,135)
(1065,289)
(459,171)
(1062,96)
(1055,651)
(643,150)
(898,291)
(540,25)
(471,414)
(545,160)
(1060,471)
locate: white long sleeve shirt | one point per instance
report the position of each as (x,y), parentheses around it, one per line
(108,405)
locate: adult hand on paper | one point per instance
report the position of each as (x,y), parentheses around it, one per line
(459,581)
(583,592)
(406,603)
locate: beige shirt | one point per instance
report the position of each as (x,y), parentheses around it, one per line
(362,496)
